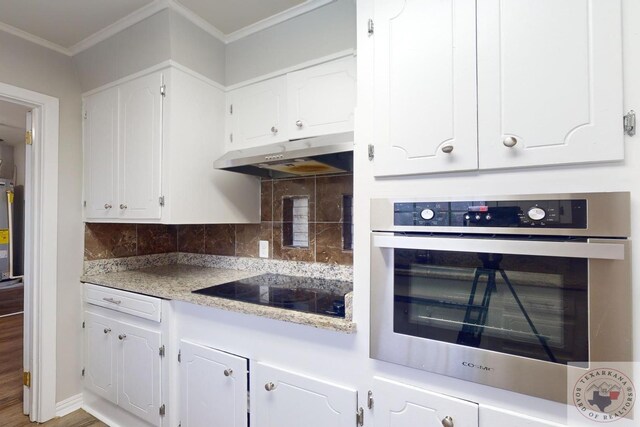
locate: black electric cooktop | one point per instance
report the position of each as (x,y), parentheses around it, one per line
(309,295)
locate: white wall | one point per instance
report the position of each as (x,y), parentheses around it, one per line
(6,155)
(321,32)
(196,49)
(140,46)
(19,154)
(36,68)
(622,176)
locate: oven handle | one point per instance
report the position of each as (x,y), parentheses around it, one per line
(614,251)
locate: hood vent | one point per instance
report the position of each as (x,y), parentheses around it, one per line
(310,156)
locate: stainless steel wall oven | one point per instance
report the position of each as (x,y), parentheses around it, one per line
(504,291)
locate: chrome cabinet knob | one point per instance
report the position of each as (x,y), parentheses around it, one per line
(299,123)
(107,206)
(447,421)
(121,337)
(123,206)
(107,330)
(274,130)
(510,142)
(269,386)
(448,149)
(228,372)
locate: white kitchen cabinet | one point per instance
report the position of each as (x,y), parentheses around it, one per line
(150,143)
(139,371)
(140,147)
(213,387)
(100,356)
(123,354)
(321,99)
(548,87)
(492,417)
(282,398)
(100,134)
(550,80)
(400,405)
(313,101)
(425,86)
(257,114)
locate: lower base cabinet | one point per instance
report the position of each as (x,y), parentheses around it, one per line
(400,405)
(213,387)
(281,398)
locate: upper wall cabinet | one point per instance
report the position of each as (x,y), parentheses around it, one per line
(548,87)
(321,99)
(257,114)
(314,101)
(149,144)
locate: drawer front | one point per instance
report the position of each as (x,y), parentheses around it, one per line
(125,302)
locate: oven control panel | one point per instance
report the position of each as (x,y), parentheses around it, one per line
(493,213)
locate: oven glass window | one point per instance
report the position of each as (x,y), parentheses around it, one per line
(530,306)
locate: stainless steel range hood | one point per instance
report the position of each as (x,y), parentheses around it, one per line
(310,156)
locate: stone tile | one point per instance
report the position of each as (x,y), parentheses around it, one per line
(299,187)
(329,245)
(157,239)
(280,251)
(191,239)
(266,201)
(248,237)
(102,241)
(220,239)
(329,194)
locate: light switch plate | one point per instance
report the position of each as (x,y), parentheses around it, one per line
(264,249)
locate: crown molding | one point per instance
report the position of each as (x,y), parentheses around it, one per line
(34,39)
(197,20)
(121,24)
(278,18)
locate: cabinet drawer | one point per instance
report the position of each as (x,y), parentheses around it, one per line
(125,302)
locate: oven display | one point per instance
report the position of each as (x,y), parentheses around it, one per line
(519,214)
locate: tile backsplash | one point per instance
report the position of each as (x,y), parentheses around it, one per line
(326,224)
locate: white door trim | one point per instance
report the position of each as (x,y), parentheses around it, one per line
(41,237)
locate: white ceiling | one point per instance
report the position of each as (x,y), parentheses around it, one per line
(67,25)
(12,122)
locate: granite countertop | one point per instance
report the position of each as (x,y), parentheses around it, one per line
(176,281)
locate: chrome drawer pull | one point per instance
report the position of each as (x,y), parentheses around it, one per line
(107,330)
(447,421)
(269,386)
(122,337)
(228,372)
(112,301)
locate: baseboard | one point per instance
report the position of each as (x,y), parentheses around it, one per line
(69,405)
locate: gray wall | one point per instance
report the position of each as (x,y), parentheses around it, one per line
(196,49)
(140,46)
(318,33)
(36,68)
(6,155)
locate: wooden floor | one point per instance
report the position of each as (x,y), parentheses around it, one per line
(12,417)
(10,361)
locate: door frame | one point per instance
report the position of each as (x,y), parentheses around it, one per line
(41,239)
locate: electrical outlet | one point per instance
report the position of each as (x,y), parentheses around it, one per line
(264,249)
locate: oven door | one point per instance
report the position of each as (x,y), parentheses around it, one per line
(510,313)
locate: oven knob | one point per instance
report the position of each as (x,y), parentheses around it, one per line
(478,217)
(536,214)
(467,217)
(427,214)
(488,217)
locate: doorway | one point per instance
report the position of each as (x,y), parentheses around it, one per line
(40,249)
(13,128)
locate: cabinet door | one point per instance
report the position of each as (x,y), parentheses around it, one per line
(100,139)
(140,148)
(284,399)
(213,387)
(425,86)
(399,405)
(549,81)
(257,114)
(139,371)
(492,417)
(100,357)
(322,99)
